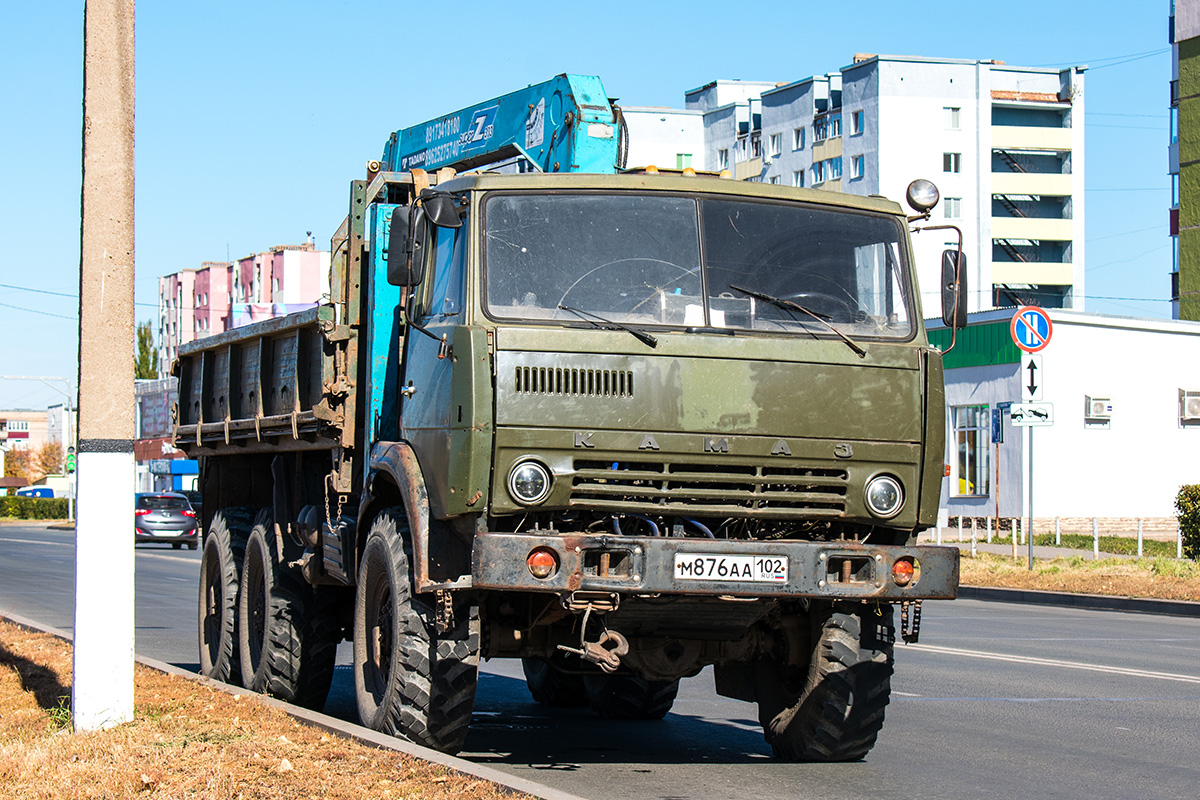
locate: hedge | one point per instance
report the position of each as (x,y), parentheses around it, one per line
(1187,503)
(13,507)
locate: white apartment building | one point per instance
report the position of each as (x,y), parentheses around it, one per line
(1004,144)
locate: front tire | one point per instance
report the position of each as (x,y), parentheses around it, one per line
(551,683)
(409,679)
(832,708)
(630,696)
(286,646)
(220,573)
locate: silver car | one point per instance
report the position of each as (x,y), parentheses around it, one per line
(164,517)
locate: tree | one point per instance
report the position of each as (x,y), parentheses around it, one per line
(146,364)
(18,464)
(49,459)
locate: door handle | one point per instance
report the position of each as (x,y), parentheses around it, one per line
(409,391)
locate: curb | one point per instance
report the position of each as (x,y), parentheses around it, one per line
(335,726)
(1095,602)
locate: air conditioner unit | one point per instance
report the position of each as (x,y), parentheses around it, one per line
(1189,405)
(1097,408)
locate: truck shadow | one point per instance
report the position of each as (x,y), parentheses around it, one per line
(510,728)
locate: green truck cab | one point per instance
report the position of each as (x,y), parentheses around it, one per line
(622,427)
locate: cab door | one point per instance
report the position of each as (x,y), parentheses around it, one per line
(428,366)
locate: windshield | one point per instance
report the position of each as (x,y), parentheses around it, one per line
(662,260)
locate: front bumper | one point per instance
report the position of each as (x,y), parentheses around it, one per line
(646,565)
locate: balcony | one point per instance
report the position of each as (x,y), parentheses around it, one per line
(1008,137)
(1049,184)
(1038,273)
(1060,230)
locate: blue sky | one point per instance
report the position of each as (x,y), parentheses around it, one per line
(252,117)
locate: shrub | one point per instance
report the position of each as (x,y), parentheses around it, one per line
(1187,503)
(15,507)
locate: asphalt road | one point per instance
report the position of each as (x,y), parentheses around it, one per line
(997,699)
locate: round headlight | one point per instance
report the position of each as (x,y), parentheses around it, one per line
(529,483)
(922,195)
(884,496)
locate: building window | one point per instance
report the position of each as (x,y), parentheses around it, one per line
(953,208)
(776,144)
(798,178)
(18,425)
(798,138)
(818,169)
(972,458)
(755,147)
(952,117)
(857,167)
(773,179)
(683,160)
(820,130)
(951,162)
(835,168)
(856,122)
(723,159)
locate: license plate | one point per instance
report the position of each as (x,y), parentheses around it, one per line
(718,567)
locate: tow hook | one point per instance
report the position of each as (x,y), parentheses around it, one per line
(605,652)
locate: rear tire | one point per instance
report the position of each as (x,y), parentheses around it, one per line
(629,696)
(832,708)
(220,573)
(286,642)
(552,684)
(409,679)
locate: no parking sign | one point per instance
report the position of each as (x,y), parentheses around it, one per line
(1031,328)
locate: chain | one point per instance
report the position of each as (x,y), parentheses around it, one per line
(910,636)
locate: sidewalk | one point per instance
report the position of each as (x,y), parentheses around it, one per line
(950,537)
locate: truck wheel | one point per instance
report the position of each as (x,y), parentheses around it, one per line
(630,697)
(551,684)
(410,680)
(220,571)
(285,641)
(830,709)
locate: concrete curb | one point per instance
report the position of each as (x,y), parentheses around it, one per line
(1095,602)
(336,726)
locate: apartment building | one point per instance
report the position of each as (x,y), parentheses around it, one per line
(1183,153)
(220,295)
(1003,143)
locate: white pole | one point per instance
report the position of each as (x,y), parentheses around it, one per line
(974,537)
(1058,531)
(1095,538)
(960,527)
(989,529)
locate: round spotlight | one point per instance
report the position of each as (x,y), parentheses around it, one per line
(903,572)
(922,195)
(884,496)
(529,483)
(542,562)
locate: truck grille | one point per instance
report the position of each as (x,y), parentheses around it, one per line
(569,381)
(725,489)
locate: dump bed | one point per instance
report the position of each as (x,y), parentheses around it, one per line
(259,388)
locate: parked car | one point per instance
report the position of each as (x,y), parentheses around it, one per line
(164,517)
(35,491)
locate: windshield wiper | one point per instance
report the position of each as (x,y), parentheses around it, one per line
(610,325)
(821,318)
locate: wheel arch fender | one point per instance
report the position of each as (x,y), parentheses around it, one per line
(395,479)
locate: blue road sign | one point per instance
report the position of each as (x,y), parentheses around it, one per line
(1031,329)
(997,426)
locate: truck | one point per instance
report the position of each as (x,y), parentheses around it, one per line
(621,423)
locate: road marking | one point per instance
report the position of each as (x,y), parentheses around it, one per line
(39,541)
(1050,662)
(166,557)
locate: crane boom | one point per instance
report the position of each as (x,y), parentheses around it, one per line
(566,124)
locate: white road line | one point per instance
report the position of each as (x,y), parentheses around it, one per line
(39,541)
(1050,662)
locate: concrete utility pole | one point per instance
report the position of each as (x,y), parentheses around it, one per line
(102,694)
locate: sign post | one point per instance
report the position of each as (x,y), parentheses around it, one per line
(1031,330)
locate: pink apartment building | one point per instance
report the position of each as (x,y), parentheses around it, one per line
(220,295)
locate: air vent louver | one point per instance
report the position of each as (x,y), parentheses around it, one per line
(573,382)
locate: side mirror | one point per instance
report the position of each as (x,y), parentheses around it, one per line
(441,209)
(405,264)
(954,288)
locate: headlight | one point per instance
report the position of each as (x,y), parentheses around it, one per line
(884,496)
(529,483)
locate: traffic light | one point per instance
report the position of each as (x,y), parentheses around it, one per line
(70,460)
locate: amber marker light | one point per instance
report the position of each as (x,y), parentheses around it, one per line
(542,562)
(902,572)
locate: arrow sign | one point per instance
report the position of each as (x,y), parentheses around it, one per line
(1025,415)
(1032,377)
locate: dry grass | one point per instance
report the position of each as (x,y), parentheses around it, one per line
(1161,578)
(187,740)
